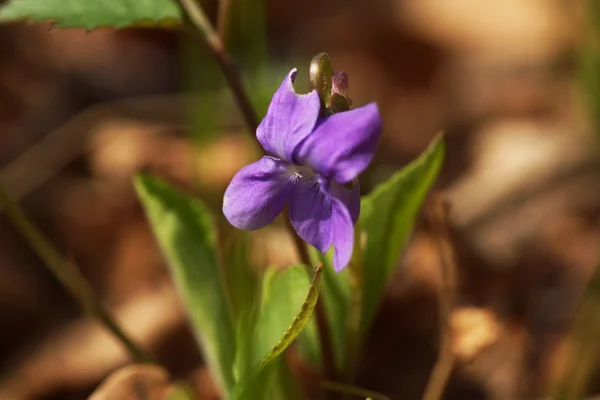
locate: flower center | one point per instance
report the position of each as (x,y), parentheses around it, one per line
(297,172)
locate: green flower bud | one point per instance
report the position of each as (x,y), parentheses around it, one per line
(320,78)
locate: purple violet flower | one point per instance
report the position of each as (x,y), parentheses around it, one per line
(311,161)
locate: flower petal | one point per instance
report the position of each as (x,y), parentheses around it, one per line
(350,197)
(342,145)
(343,235)
(291,117)
(258,193)
(310,214)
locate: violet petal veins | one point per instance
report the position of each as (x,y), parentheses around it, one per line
(311,160)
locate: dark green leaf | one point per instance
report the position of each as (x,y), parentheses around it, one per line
(288,302)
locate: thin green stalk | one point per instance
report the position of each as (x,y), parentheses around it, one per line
(214,42)
(353,343)
(223,19)
(68,274)
(232,75)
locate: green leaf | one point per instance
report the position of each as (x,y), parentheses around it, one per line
(244,355)
(92,14)
(186,235)
(239,273)
(386,220)
(287,296)
(280,304)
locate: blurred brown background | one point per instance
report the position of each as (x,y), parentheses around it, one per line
(81,112)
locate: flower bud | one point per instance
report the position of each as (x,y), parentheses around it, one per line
(320,77)
(340,83)
(339,100)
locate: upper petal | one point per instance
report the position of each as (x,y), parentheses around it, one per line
(343,235)
(342,145)
(310,213)
(257,193)
(291,117)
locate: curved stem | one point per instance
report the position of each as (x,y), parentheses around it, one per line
(68,275)
(212,39)
(223,19)
(215,44)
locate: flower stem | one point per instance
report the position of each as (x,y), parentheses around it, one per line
(354,338)
(234,79)
(223,20)
(437,215)
(215,44)
(68,275)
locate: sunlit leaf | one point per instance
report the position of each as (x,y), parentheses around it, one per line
(288,303)
(93,14)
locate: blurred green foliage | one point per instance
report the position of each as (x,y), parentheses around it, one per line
(94,14)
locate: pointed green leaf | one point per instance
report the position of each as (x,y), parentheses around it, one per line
(93,14)
(386,220)
(244,344)
(239,273)
(287,297)
(278,305)
(186,235)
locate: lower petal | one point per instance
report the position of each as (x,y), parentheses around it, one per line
(343,235)
(257,193)
(310,214)
(350,197)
